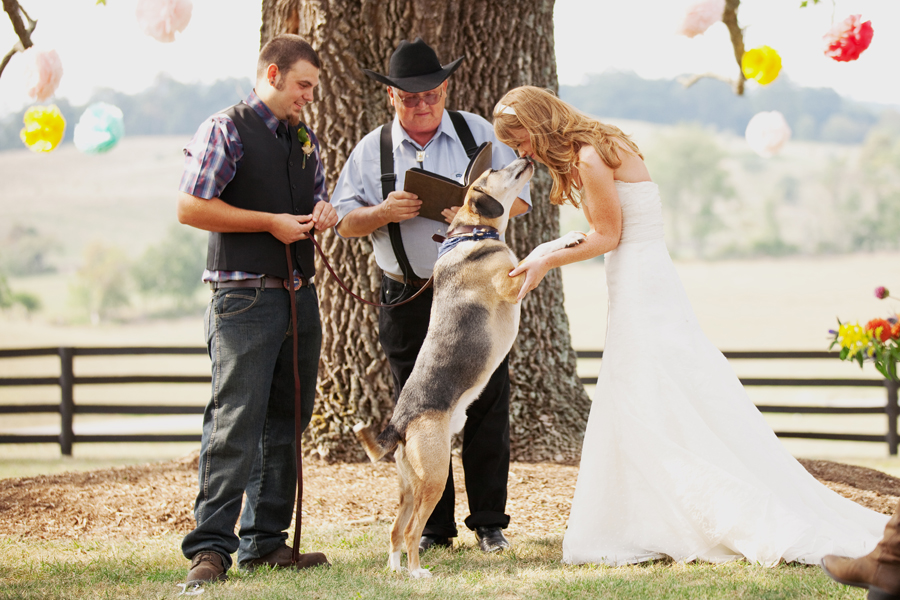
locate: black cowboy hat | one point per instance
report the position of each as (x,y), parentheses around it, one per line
(415,68)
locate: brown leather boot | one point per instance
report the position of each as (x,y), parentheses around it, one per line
(206,567)
(878,571)
(281,558)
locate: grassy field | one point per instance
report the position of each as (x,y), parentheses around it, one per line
(785,304)
(150,568)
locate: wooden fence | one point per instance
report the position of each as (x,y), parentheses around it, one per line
(67,408)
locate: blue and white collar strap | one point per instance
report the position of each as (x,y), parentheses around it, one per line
(476,233)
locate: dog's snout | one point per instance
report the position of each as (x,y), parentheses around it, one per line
(527,165)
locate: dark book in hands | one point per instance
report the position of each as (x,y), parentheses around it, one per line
(437,192)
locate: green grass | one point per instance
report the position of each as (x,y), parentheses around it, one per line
(152,567)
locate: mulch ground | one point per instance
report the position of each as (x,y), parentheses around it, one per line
(158,498)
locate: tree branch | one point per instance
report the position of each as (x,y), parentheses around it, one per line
(729,17)
(13,9)
(689,80)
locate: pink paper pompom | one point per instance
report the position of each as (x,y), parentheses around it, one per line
(767,133)
(43,71)
(847,39)
(160,19)
(701,16)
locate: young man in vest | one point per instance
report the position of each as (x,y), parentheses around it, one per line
(254,180)
(423,134)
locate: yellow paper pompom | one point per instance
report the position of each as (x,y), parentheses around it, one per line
(762,64)
(44,128)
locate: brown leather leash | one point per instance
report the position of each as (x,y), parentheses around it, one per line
(298,432)
(343,286)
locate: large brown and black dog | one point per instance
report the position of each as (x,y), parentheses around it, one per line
(474,321)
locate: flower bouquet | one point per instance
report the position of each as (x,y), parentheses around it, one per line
(878,341)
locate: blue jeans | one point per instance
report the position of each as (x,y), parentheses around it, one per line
(248,425)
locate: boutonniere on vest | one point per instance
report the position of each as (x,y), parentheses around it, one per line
(303,136)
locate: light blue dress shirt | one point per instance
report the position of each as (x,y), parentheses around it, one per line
(360,184)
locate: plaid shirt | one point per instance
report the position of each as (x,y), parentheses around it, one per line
(213,156)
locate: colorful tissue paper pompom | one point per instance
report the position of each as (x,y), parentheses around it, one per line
(160,19)
(880,329)
(44,128)
(99,128)
(700,16)
(848,39)
(762,64)
(767,133)
(43,71)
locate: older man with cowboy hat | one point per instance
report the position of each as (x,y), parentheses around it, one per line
(369,200)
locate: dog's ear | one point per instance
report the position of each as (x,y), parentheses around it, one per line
(485,205)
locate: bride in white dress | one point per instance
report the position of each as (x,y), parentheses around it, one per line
(677,461)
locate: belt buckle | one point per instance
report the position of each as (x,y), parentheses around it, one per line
(298,283)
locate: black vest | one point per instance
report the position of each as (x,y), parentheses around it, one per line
(267,180)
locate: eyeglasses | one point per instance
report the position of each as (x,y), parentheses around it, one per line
(412,101)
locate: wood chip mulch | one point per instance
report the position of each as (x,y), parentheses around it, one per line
(156,499)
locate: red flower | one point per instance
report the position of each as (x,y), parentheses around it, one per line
(847,39)
(885,328)
(895,331)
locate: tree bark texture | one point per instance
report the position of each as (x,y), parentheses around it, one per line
(506,44)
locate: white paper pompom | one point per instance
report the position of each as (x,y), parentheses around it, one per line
(162,18)
(767,133)
(43,70)
(700,16)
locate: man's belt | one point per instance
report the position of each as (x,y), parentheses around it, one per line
(413,281)
(261,282)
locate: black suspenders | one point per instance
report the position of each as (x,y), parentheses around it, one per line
(389,181)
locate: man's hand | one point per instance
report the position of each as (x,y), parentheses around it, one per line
(400,206)
(324,216)
(450,213)
(290,228)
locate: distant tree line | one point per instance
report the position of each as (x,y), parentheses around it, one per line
(165,279)
(174,108)
(813,114)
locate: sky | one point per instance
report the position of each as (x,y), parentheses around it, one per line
(103,46)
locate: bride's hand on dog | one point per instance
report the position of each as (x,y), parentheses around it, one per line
(400,206)
(534,271)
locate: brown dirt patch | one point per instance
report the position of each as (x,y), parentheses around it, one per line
(158,498)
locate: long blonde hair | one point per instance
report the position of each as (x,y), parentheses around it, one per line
(557,132)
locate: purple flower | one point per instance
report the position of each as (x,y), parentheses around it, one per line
(882,292)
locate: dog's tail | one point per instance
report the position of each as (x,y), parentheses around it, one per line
(377,447)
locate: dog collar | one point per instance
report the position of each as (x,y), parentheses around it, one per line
(466,233)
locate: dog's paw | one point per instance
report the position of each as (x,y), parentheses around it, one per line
(420,573)
(573,238)
(394,562)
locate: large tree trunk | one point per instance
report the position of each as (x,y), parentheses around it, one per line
(506,44)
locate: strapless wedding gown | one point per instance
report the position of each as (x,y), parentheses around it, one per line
(677,461)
